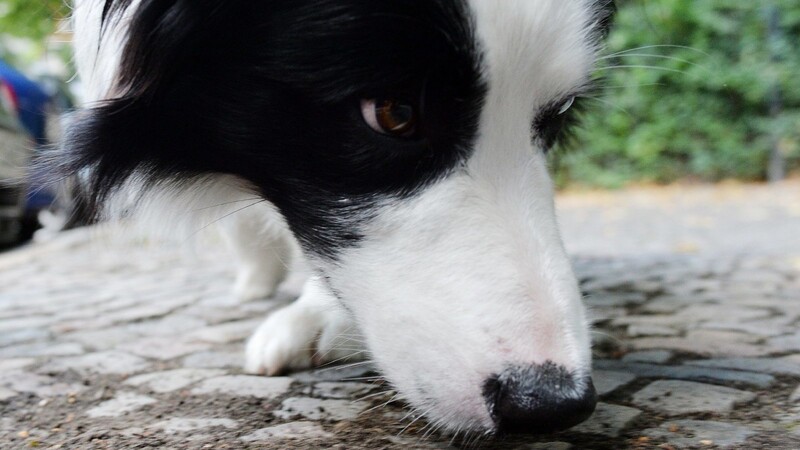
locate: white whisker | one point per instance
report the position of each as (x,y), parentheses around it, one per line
(647,47)
(637,66)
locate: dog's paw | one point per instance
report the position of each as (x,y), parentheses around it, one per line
(310,332)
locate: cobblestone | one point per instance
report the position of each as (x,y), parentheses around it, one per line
(652,356)
(697,433)
(676,397)
(124,342)
(110,362)
(606,381)
(609,420)
(123,403)
(245,385)
(184,424)
(315,409)
(775,366)
(688,373)
(172,380)
(292,430)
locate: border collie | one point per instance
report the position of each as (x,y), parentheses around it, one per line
(400,145)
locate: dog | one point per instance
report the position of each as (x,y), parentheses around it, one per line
(400,145)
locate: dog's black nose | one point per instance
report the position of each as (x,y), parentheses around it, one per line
(538,399)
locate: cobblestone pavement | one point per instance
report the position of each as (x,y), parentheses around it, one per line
(119,343)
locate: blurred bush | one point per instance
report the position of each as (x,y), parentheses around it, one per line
(29,32)
(31,18)
(693,89)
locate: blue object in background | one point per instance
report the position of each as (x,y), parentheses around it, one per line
(32,103)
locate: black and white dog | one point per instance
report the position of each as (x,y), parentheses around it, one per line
(401,143)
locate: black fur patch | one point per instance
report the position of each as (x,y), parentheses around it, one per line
(551,126)
(270,90)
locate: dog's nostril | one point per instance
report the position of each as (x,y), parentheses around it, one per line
(538,399)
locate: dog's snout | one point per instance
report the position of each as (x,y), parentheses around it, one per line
(538,399)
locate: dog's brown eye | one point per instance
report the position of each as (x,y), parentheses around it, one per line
(390,116)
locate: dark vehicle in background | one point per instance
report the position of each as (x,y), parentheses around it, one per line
(24,108)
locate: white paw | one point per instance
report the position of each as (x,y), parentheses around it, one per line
(312,331)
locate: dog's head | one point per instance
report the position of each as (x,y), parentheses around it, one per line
(404,142)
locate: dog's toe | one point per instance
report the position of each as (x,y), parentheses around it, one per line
(310,332)
(286,340)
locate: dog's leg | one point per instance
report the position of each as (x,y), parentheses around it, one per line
(313,330)
(263,252)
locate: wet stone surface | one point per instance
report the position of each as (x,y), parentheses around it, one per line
(111,341)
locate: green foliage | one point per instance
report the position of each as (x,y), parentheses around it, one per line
(31,18)
(696,106)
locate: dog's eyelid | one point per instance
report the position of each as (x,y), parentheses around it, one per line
(567,105)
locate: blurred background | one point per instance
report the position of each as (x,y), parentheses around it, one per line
(689,92)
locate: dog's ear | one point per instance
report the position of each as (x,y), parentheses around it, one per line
(163,117)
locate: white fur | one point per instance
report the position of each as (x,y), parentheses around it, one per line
(311,331)
(98,59)
(263,248)
(454,284)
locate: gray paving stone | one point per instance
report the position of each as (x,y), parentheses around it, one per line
(772,327)
(23,335)
(172,380)
(101,340)
(122,403)
(15,363)
(606,381)
(669,304)
(6,394)
(795,397)
(782,344)
(187,424)
(687,372)
(794,359)
(109,363)
(599,315)
(651,330)
(615,299)
(245,386)
(163,348)
(346,372)
(700,433)
(42,349)
(674,397)
(20,323)
(316,409)
(650,356)
(215,359)
(351,390)
(293,430)
(776,366)
(167,326)
(608,420)
(706,342)
(663,320)
(39,385)
(227,332)
(705,313)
